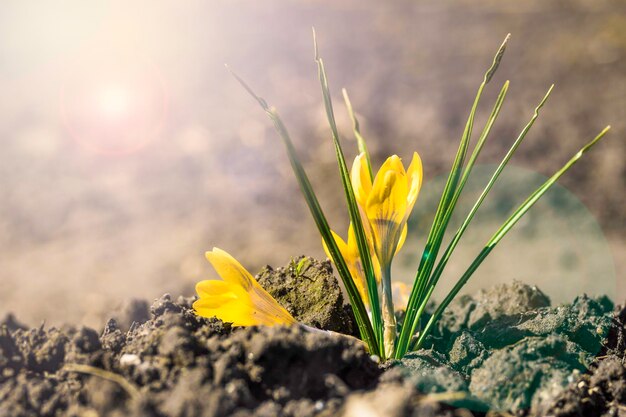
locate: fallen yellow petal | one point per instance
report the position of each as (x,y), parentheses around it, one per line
(237,298)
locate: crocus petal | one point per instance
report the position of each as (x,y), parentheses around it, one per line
(386,208)
(350,253)
(234,311)
(238,299)
(415,176)
(402,238)
(358,276)
(231,312)
(225,300)
(389,191)
(393,163)
(214,287)
(229,269)
(361,180)
(343,247)
(352,243)
(352,238)
(357,266)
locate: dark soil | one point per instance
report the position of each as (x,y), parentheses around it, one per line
(507,349)
(504,349)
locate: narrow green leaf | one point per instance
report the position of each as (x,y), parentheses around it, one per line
(497,58)
(503,230)
(479,146)
(459,233)
(357,132)
(442,263)
(353,208)
(360,313)
(424,290)
(541,191)
(438,228)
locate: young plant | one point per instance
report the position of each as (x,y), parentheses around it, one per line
(379,206)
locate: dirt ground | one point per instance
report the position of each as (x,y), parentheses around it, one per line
(82,232)
(505,349)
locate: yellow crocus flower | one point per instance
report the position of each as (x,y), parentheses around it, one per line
(385,205)
(387,202)
(237,298)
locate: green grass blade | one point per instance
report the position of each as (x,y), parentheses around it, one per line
(459,233)
(475,153)
(360,313)
(439,225)
(479,146)
(357,132)
(453,186)
(453,179)
(503,230)
(545,187)
(461,230)
(423,291)
(353,208)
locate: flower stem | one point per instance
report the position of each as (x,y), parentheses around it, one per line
(389,317)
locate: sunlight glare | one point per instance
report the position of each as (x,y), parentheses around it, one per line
(114,110)
(114,102)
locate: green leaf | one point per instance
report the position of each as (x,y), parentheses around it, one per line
(503,230)
(459,233)
(357,132)
(360,313)
(424,290)
(492,180)
(439,225)
(353,208)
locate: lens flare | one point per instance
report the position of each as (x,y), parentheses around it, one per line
(114,112)
(115,102)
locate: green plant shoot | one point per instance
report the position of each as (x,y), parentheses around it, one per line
(379,203)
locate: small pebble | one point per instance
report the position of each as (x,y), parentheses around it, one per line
(129,359)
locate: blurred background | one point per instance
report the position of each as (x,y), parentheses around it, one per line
(127,150)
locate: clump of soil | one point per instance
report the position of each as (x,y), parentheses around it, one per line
(309,291)
(602,390)
(169,362)
(509,350)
